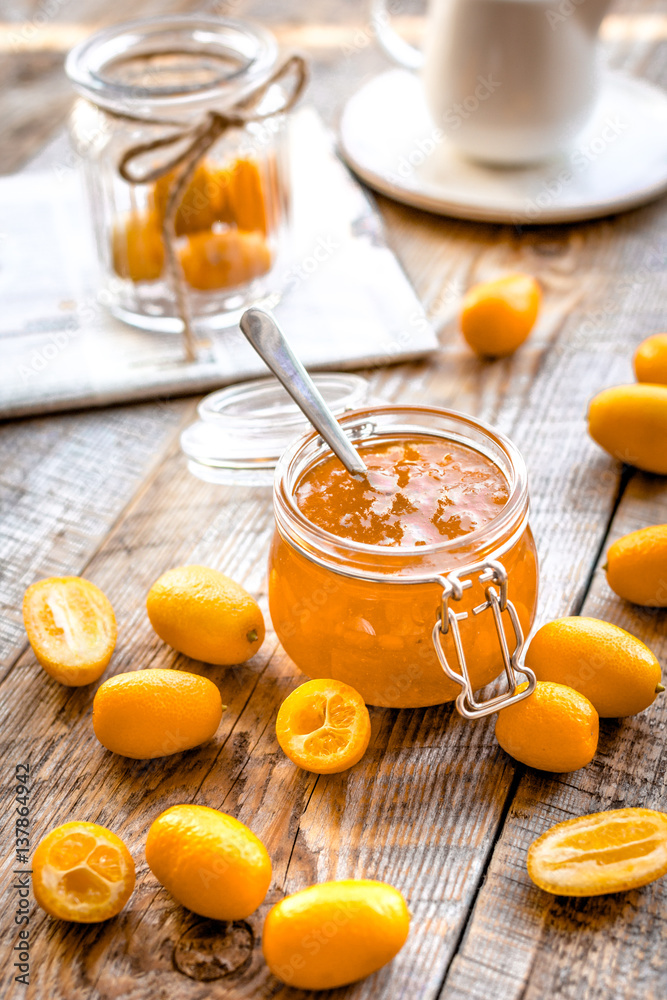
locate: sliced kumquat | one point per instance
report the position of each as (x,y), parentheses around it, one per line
(71,627)
(324,726)
(82,872)
(600,853)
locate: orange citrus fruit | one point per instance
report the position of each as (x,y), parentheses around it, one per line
(497,316)
(82,872)
(246,197)
(555,729)
(206,615)
(210,862)
(630,422)
(636,566)
(154,713)
(334,933)
(224,260)
(71,628)
(324,726)
(604,852)
(611,667)
(650,360)
(137,248)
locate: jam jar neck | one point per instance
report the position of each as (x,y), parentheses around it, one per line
(172,67)
(402,564)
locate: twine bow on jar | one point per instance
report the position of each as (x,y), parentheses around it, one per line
(199,139)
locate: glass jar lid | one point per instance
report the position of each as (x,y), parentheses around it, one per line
(173,63)
(243,430)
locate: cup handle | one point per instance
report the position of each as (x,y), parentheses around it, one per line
(397,48)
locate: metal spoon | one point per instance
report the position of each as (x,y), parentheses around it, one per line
(262,331)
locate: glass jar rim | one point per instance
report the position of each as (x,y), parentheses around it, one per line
(248,425)
(256,46)
(291,521)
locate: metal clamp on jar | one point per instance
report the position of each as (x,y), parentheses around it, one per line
(182,137)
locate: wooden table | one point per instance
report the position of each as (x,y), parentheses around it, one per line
(435,807)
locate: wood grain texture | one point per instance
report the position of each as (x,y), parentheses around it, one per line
(435,807)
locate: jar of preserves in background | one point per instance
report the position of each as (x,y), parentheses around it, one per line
(157,96)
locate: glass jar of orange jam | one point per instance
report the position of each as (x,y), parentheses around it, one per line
(358,568)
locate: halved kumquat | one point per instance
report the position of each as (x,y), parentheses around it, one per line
(600,853)
(324,726)
(71,628)
(82,872)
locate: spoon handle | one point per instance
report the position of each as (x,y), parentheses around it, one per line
(262,331)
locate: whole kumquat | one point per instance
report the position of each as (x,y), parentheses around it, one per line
(554,729)
(613,669)
(630,422)
(497,316)
(206,615)
(154,713)
(636,566)
(650,360)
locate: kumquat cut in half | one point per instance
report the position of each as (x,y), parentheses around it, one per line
(600,853)
(324,726)
(71,628)
(209,861)
(82,872)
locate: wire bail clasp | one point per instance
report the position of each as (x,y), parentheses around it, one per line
(493,574)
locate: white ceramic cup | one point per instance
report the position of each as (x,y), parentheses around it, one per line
(508,81)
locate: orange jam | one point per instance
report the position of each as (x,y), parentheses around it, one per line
(423,498)
(419,491)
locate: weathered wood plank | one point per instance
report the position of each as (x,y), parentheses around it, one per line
(530,945)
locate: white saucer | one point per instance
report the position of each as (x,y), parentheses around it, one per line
(618,161)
